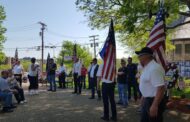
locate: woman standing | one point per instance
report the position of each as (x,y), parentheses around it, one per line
(33,71)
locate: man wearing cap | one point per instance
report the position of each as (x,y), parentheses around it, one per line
(151,86)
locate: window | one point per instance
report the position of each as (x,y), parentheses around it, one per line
(178,49)
(187,49)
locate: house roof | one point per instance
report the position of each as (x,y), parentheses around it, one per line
(181,39)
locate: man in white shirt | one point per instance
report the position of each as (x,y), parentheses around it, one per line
(152,87)
(93,80)
(18,70)
(76,74)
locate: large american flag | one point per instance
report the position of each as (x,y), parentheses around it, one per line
(157,38)
(108,54)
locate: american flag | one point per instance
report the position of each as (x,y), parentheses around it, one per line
(108,54)
(157,38)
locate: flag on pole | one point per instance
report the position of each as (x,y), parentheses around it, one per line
(16,54)
(47,62)
(157,39)
(74,52)
(108,54)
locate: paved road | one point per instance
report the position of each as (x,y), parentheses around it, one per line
(63,106)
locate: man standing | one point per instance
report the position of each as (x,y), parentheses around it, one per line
(131,78)
(107,95)
(76,75)
(18,71)
(62,75)
(152,87)
(122,83)
(51,75)
(93,80)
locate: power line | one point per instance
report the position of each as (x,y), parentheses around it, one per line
(65,36)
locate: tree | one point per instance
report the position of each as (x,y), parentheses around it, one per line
(131,17)
(2,31)
(67,50)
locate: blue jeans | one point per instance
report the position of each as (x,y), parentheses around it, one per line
(51,79)
(122,89)
(7,98)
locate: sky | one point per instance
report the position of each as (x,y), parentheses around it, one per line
(64,22)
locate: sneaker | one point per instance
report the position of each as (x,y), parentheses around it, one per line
(25,101)
(21,102)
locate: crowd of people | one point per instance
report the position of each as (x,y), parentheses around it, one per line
(148,76)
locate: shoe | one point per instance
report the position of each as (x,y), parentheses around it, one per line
(21,102)
(104,118)
(49,90)
(114,119)
(73,92)
(91,98)
(7,110)
(25,101)
(53,90)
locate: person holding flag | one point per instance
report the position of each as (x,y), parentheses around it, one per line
(107,73)
(152,85)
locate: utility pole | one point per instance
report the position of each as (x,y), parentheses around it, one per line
(94,44)
(42,36)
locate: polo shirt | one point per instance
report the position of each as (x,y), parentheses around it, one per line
(152,77)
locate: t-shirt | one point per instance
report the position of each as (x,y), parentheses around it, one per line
(131,72)
(83,71)
(17,69)
(122,78)
(152,76)
(52,69)
(3,84)
(33,72)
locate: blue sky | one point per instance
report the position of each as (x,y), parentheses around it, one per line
(63,20)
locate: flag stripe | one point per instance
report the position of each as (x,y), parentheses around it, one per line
(109,61)
(105,61)
(157,39)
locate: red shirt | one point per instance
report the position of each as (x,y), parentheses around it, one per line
(83,71)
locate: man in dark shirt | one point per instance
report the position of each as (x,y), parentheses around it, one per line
(51,75)
(131,78)
(122,83)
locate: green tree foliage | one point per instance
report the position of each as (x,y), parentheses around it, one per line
(2,31)
(67,50)
(131,17)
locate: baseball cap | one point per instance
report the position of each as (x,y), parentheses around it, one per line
(144,51)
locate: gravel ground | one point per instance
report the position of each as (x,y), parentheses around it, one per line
(64,106)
